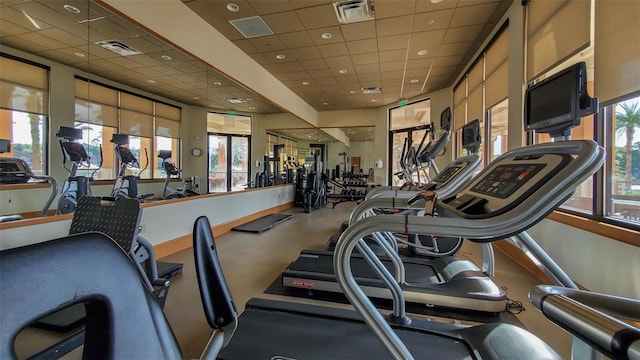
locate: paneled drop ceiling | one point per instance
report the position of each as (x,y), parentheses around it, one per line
(410,48)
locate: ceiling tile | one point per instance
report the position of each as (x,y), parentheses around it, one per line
(245,10)
(393,26)
(447,60)
(298,75)
(326,81)
(267,43)
(246,46)
(62,36)
(263,7)
(425,6)
(339,61)
(307,53)
(393,42)
(434,20)
(313,64)
(473,15)
(283,22)
(367,69)
(363,59)
(346,79)
(331,50)
(392,8)
(301,4)
(318,16)
(372,79)
(211,16)
(427,40)
(359,31)
(336,35)
(362,46)
(462,34)
(288,56)
(460,48)
(419,64)
(392,55)
(289,67)
(296,39)
(392,66)
(320,73)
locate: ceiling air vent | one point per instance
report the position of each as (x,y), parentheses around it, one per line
(251,27)
(235,100)
(354,11)
(118,47)
(371,90)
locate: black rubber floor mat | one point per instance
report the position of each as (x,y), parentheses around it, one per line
(262,224)
(277,288)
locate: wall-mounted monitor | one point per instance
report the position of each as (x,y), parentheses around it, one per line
(471,136)
(445,119)
(557,103)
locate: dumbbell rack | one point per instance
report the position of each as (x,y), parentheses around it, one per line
(350,189)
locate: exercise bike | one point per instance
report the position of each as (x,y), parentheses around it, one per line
(126,186)
(168,192)
(75,186)
(17,171)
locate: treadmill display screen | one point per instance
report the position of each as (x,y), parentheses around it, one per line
(504,180)
(447,174)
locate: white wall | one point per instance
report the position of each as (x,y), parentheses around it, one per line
(171,220)
(598,263)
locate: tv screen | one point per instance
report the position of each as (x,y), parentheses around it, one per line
(445,119)
(558,102)
(471,138)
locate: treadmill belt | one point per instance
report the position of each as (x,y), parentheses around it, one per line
(276,288)
(262,224)
(325,337)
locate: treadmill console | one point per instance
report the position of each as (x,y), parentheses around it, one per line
(75,151)
(14,171)
(504,185)
(448,173)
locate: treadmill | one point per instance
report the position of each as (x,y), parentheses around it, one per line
(445,281)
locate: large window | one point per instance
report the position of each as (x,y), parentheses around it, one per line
(24,96)
(102,111)
(229,151)
(407,123)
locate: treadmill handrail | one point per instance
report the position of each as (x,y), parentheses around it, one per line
(587,158)
(592,317)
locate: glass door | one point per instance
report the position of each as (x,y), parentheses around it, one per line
(239,162)
(218,163)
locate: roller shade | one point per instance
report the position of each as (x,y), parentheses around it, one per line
(167,128)
(136,103)
(459,104)
(23,87)
(617,49)
(167,111)
(96,93)
(556,30)
(497,70)
(135,123)
(474,97)
(96,113)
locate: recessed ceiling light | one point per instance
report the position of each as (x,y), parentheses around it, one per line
(414,81)
(151,81)
(217,83)
(435,1)
(327,36)
(373,100)
(280,57)
(343,71)
(196,98)
(305,83)
(166,57)
(431,22)
(352,92)
(249,99)
(233,7)
(79,54)
(422,52)
(325,103)
(235,100)
(71,8)
(252,107)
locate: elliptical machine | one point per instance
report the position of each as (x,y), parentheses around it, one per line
(17,171)
(126,186)
(75,186)
(170,169)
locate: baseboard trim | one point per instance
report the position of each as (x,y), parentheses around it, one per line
(185,242)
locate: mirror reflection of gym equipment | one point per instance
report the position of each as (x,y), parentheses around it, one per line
(16,171)
(126,185)
(75,186)
(189,186)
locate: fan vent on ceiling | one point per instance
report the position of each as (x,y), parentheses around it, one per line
(371,90)
(352,11)
(118,47)
(252,27)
